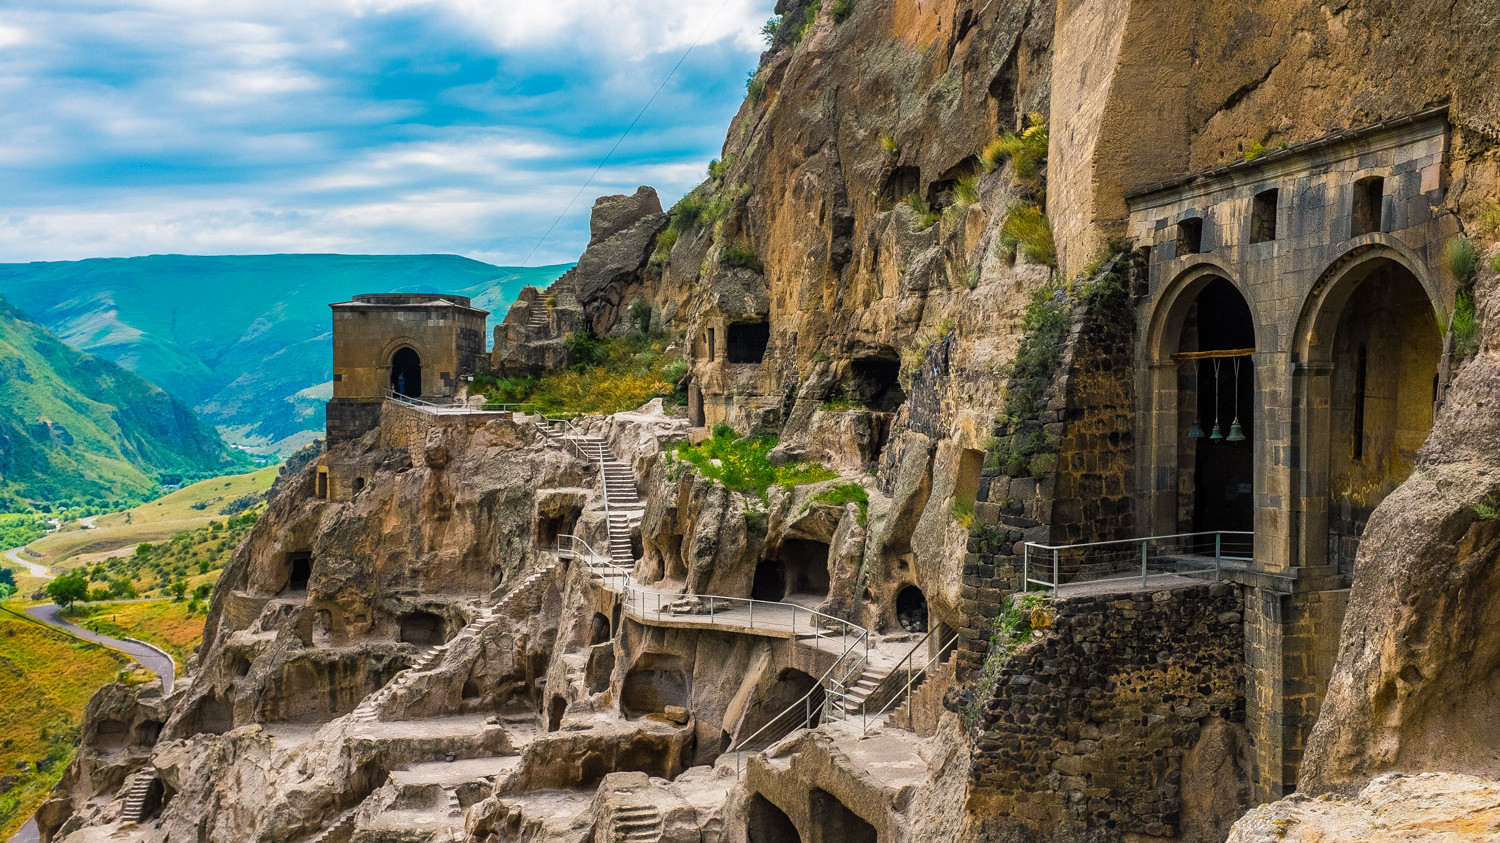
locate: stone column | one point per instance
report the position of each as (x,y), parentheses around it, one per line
(1311,434)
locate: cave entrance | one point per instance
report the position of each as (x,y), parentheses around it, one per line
(553,524)
(902,182)
(770,581)
(875,382)
(833,822)
(1216,395)
(806,564)
(655,681)
(299,571)
(769,824)
(555,711)
(911,609)
(1383,386)
(599,630)
(423,629)
(213,716)
(406,372)
(746,342)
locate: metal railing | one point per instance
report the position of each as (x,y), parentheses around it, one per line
(802,714)
(903,678)
(435,408)
(1178,553)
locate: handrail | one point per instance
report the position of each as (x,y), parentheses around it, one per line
(942,651)
(1116,564)
(804,702)
(438,409)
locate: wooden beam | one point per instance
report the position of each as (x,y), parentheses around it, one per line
(1209,355)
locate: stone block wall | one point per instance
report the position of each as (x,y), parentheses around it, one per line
(1091,729)
(350,419)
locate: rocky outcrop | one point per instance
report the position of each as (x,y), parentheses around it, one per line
(1394,808)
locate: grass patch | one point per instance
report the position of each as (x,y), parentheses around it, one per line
(1461,259)
(810,18)
(914,355)
(755,87)
(926,217)
(1026,150)
(174,626)
(889,144)
(615,374)
(841,9)
(1255,151)
(844,494)
(1027,230)
(1027,614)
(46,680)
(1464,325)
(963,512)
(741,464)
(194,558)
(740,254)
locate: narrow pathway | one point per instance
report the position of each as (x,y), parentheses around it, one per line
(35,569)
(150,657)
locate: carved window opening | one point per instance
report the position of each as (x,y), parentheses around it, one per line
(1190,236)
(1369,199)
(1263,216)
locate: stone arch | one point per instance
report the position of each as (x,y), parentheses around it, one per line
(388,353)
(1170,311)
(1368,352)
(655,681)
(767,823)
(790,687)
(833,820)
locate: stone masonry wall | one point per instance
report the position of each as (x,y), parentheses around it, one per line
(1093,728)
(1087,496)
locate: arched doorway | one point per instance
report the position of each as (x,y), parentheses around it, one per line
(769,824)
(406,372)
(1216,412)
(1374,341)
(911,609)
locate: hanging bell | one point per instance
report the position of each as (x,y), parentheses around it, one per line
(1196,431)
(1216,436)
(1236,432)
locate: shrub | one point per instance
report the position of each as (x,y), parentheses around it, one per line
(718,169)
(1027,229)
(665,241)
(769,29)
(840,10)
(1255,151)
(628,372)
(640,315)
(1487,509)
(971,278)
(810,18)
(755,86)
(739,254)
(926,218)
(963,512)
(1461,258)
(1464,325)
(585,351)
(743,464)
(1026,150)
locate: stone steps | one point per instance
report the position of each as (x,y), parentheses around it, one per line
(638,824)
(135,798)
(368,711)
(334,832)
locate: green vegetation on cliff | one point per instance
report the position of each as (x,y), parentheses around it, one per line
(607,376)
(743,464)
(81,431)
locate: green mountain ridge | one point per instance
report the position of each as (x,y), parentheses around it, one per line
(242,338)
(80,428)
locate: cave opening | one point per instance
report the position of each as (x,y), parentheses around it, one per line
(655,681)
(770,581)
(555,711)
(875,382)
(832,820)
(299,571)
(423,629)
(806,564)
(746,342)
(911,609)
(769,824)
(599,630)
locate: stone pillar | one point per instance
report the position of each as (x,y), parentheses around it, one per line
(1311,434)
(1274,467)
(1156,459)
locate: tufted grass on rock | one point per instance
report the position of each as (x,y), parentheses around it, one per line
(843,495)
(926,217)
(742,464)
(1464,325)
(1026,150)
(1027,229)
(1461,259)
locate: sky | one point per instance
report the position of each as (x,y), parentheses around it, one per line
(356,126)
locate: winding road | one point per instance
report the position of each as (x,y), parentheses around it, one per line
(35,569)
(150,657)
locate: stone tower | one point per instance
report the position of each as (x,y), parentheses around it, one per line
(420,345)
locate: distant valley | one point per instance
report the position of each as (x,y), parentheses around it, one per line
(242,339)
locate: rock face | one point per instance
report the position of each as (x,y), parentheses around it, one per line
(1428,807)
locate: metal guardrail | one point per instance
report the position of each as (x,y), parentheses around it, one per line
(787,720)
(1178,553)
(903,678)
(436,408)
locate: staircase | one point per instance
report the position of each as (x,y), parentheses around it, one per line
(854,698)
(537,321)
(637,824)
(369,710)
(138,795)
(336,833)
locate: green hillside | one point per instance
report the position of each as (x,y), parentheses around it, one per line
(244,339)
(79,428)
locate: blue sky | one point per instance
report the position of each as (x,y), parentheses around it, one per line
(359,126)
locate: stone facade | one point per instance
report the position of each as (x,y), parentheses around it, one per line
(1094,730)
(425,343)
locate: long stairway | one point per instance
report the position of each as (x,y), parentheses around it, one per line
(138,795)
(369,710)
(538,318)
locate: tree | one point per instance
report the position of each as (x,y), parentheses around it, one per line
(7,578)
(68,589)
(179,589)
(7,591)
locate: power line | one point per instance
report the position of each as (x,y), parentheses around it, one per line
(625,134)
